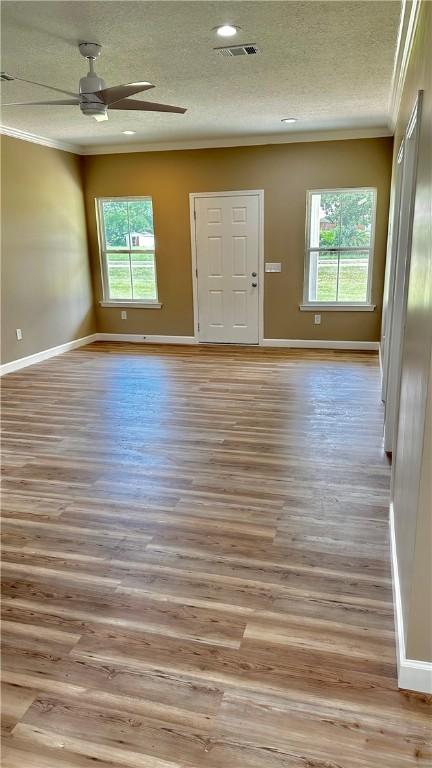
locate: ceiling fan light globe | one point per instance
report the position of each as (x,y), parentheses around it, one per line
(94,109)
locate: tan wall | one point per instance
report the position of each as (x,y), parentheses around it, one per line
(412,492)
(46,283)
(285,172)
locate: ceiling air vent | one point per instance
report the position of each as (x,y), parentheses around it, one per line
(238,50)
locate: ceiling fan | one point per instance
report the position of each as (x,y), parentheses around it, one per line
(93,98)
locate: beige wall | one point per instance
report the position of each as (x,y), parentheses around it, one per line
(285,172)
(412,491)
(46,283)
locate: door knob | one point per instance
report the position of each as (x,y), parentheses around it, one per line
(254,274)
(254,285)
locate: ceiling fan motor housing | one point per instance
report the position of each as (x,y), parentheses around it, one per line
(88,87)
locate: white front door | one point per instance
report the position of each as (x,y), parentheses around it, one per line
(227,250)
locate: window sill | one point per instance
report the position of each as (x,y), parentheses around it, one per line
(132,304)
(323,307)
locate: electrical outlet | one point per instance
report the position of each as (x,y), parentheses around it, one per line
(19,334)
(317,319)
(124,315)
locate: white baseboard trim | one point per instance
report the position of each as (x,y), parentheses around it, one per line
(295,343)
(320,344)
(39,357)
(413,675)
(138,338)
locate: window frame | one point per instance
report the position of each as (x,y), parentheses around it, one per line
(103,251)
(356,306)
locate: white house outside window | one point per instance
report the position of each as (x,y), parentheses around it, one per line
(127,246)
(340,228)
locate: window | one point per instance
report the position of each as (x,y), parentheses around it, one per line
(339,248)
(127,244)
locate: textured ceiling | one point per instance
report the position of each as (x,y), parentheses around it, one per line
(327,63)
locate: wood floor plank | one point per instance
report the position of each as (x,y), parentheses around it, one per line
(81,752)
(133,610)
(196,563)
(132,731)
(15,700)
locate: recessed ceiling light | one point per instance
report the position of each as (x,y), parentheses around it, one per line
(227,30)
(128,133)
(289,120)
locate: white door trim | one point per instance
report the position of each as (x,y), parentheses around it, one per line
(253,193)
(390,270)
(401,279)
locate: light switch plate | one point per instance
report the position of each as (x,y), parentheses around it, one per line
(19,334)
(124,315)
(317,319)
(273,266)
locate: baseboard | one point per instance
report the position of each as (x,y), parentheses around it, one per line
(39,357)
(138,338)
(295,343)
(380,359)
(413,675)
(320,344)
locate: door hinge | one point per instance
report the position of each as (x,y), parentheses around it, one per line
(194,214)
(196,273)
(198,326)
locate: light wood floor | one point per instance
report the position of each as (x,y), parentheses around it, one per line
(196,565)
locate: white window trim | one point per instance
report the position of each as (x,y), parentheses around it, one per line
(132,304)
(338,306)
(106,301)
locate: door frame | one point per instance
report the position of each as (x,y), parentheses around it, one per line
(390,270)
(248,192)
(402,267)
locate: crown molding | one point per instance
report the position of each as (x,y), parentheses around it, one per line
(407,29)
(240,141)
(16,133)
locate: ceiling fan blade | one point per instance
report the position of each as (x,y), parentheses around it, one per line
(43,85)
(118,92)
(145,106)
(55,103)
